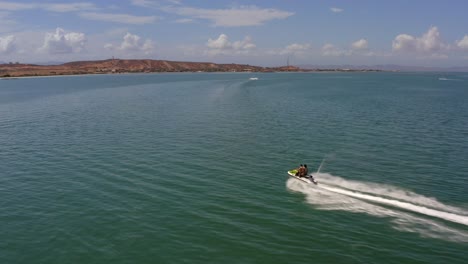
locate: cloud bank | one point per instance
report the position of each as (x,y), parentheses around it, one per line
(463,43)
(361,44)
(53,7)
(233,17)
(7,44)
(429,42)
(336,10)
(61,42)
(133,43)
(222,45)
(119,18)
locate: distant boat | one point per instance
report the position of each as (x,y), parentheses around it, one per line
(253,78)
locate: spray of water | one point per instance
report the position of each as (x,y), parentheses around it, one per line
(410,211)
(320,167)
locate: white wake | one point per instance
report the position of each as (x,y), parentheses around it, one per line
(408,210)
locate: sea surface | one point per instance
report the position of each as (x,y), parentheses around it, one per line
(191,168)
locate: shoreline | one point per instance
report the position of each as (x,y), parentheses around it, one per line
(147,73)
(124,66)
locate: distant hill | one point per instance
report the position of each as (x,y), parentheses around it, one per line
(422,69)
(128,66)
(388,67)
(49,63)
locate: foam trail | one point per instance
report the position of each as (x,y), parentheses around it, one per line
(448,79)
(387,191)
(404,205)
(408,209)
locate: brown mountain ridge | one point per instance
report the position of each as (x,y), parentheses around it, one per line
(128,66)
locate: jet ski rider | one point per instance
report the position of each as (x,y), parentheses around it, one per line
(302,171)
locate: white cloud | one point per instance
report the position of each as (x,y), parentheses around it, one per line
(57,7)
(133,43)
(463,43)
(175,2)
(221,42)
(12,6)
(336,10)
(233,17)
(157,3)
(245,44)
(119,18)
(404,42)
(438,56)
(184,20)
(7,44)
(61,42)
(295,48)
(358,48)
(330,50)
(143,3)
(71,7)
(222,45)
(115,33)
(361,44)
(298,47)
(109,46)
(429,42)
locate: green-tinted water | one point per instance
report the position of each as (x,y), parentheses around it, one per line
(191,168)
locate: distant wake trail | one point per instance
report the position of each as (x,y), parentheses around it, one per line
(404,205)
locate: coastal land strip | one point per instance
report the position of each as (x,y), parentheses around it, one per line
(109,66)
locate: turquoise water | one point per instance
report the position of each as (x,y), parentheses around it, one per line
(191,168)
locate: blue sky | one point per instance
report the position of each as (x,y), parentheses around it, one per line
(361,32)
